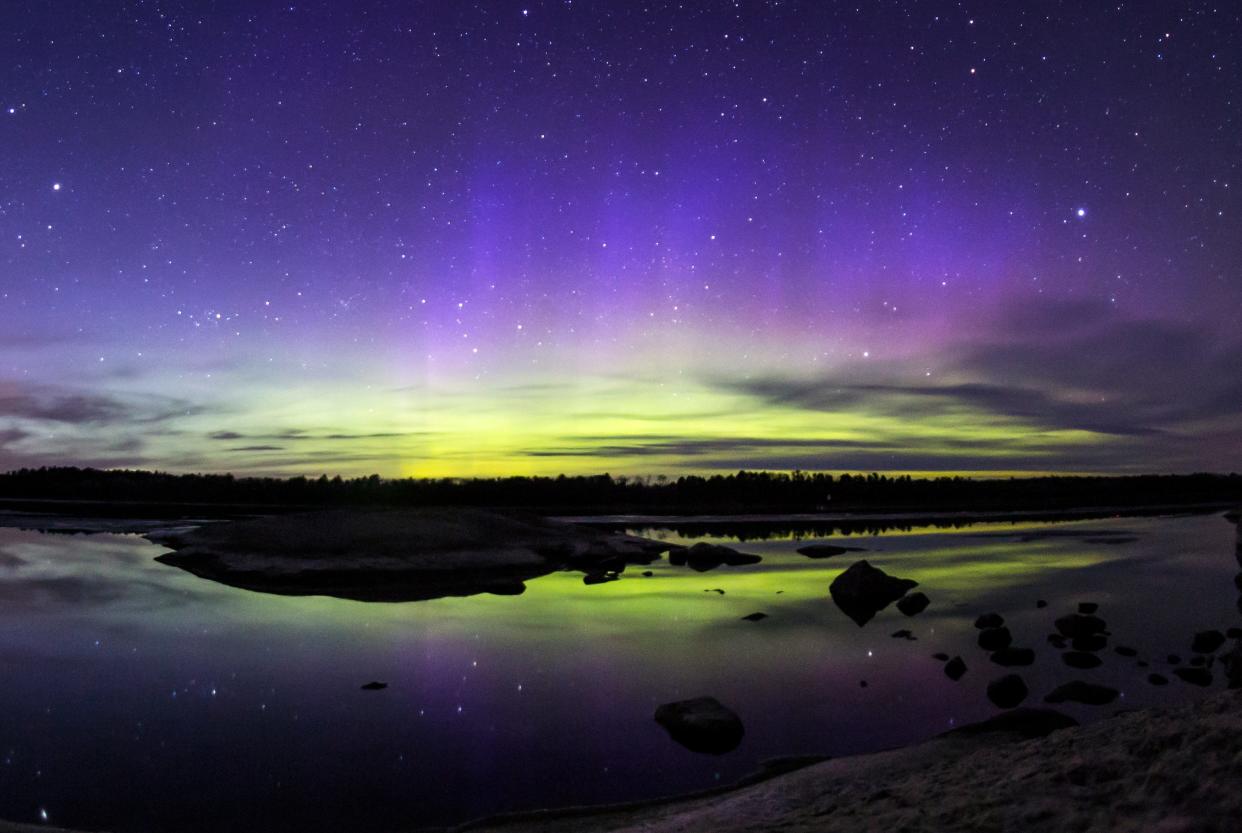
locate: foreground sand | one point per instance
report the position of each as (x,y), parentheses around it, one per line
(1163,770)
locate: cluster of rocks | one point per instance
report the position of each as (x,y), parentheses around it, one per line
(862,591)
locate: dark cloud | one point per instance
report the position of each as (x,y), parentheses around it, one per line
(226,435)
(19,400)
(258,448)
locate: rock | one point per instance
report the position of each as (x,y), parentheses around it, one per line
(825,550)
(1126,651)
(1237,582)
(1195,676)
(703,557)
(701,724)
(1207,642)
(1077,691)
(1041,603)
(1173,659)
(1087,607)
(1232,662)
(862,683)
(955,669)
(647,574)
(375,685)
(862,591)
(1007,692)
(1198,661)
(754,617)
(1078,624)
(904,634)
(989,620)
(1081,659)
(1013,656)
(599,578)
(913,603)
(1057,641)
(941,656)
(1234,633)
(1026,723)
(1141,663)
(1157,679)
(1089,642)
(995,639)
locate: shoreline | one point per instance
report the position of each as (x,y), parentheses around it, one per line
(1170,769)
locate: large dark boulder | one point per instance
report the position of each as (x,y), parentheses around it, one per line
(995,639)
(1207,642)
(862,591)
(913,604)
(955,669)
(1088,694)
(1078,624)
(1011,656)
(1081,660)
(701,725)
(703,557)
(1007,692)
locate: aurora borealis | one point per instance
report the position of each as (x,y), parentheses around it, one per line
(478,238)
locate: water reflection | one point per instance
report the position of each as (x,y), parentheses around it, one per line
(242,710)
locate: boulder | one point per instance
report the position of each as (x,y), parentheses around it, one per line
(1078,624)
(1041,603)
(1077,691)
(995,639)
(1089,642)
(1007,692)
(862,591)
(1207,642)
(374,685)
(955,669)
(941,656)
(1195,676)
(1013,656)
(989,620)
(1125,651)
(1087,608)
(1157,679)
(754,617)
(904,634)
(1081,659)
(913,603)
(701,724)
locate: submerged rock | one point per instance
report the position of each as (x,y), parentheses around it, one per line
(1057,641)
(955,669)
(754,617)
(1008,691)
(1089,642)
(913,603)
(943,657)
(1157,679)
(825,550)
(903,634)
(1078,624)
(989,620)
(1173,659)
(1041,603)
(995,639)
(1207,642)
(1125,651)
(1078,691)
(1081,660)
(1195,676)
(703,557)
(1087,607)
(701,724)
(374,685)
(1013,656)
(862,591)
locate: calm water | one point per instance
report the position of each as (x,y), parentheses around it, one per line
(138,697)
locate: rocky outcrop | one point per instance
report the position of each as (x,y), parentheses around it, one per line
(703,557)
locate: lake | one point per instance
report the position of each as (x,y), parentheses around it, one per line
(138,697)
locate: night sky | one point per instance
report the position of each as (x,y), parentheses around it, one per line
(476,238)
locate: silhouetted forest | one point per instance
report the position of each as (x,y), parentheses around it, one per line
(743,492)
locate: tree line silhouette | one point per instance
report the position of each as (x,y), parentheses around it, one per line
(741,492)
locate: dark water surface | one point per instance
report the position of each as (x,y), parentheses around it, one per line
(137,697)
